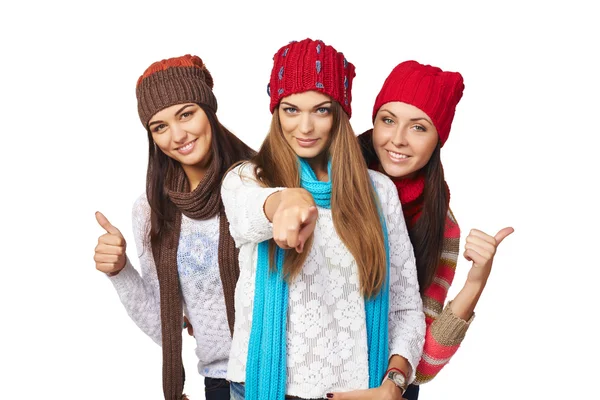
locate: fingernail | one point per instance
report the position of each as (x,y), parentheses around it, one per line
(184,324)
(329,395)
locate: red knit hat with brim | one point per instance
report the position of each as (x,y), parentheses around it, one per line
(173,81)
(433,91)
(311,65)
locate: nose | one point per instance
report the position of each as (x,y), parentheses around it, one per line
(399,138)
(179,135)
(306,125)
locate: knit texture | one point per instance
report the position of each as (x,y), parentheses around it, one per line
(174,81)
(265,375)
(445,331)
(202,203)
(326,337)
(311,65)
(433,91)
(199,280)
(165,83)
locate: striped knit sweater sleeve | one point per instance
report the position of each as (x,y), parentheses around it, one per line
(445,331)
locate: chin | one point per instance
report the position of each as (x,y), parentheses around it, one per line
(394,171)
(193,160)
(304,153)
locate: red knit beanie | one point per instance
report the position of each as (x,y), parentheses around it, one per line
(173,81)
(433,91)
(311,65)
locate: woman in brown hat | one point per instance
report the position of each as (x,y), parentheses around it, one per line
(188,259)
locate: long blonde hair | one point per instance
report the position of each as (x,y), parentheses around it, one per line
(352,195)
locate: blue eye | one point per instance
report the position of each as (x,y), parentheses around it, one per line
(387,121)
(290,110)
(323,110)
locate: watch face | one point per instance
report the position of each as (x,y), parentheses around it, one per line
(397,378)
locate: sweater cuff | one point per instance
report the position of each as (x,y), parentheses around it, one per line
(125,277)
(258,202)
(448,329)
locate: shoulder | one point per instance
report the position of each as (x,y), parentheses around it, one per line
(383,184)
(452,226)
(244,169)
(387,193)
(141,207)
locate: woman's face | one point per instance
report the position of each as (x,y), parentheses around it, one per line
(183,133)
(306,121)
(404,139)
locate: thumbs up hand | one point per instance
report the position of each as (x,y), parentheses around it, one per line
(480,249)
(109,255)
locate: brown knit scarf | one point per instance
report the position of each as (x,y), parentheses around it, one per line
(202,203)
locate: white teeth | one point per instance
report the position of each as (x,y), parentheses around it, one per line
(187,146)
(397,156)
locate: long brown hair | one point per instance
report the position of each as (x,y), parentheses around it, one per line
(226,149)
(427,233)
(352,194)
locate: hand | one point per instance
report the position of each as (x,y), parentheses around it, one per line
(480,248)
(294,219)
(387,391)
(110,252)
(187,325)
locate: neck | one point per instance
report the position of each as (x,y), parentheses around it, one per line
(319,166)
(194,175)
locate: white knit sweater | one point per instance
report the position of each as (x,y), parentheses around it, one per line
(200,281)
(326,329)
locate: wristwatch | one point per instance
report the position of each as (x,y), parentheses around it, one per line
(399,379)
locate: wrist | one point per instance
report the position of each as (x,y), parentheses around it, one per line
(397,378)
(474,289)
(391,388)
(295,192)
(464,303)
(272,203)
(116,271)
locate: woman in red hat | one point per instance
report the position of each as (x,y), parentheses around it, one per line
(412,117)
(325,302)
(188,258)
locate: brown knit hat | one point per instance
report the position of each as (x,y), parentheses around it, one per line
(173,81)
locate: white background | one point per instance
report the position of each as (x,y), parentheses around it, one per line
(522,153)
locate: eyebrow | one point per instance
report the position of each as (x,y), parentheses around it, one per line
(177,113)
(317,106)
(412,119)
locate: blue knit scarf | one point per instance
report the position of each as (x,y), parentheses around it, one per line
(266,366)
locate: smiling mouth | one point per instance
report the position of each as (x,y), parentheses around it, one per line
(397,156)
(186,146)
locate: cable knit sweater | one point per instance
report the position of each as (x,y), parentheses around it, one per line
(200,282)
(326,334)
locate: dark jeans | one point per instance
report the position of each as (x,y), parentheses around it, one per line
(238,392)
(216,389)
(412,392)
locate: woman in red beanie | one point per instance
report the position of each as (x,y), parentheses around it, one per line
(412,117)
(325,303)
(188,258)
